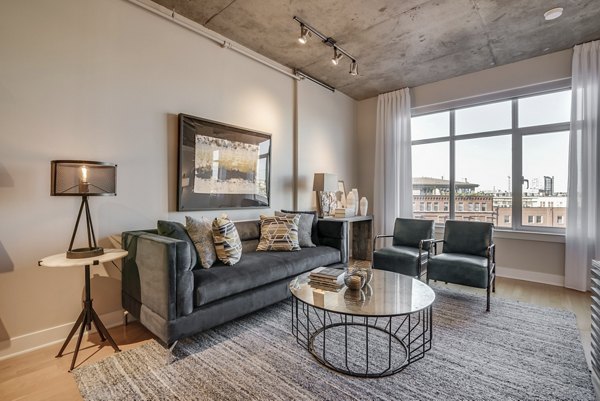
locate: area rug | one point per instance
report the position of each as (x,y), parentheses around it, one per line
(516,352)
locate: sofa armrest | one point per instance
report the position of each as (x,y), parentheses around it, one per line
(157,273)
(333,233)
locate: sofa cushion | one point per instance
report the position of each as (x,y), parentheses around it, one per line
(249,232)
(256,269)
(227,241)
(279,233)
(458,268)
(175,230)
(314,235)
(200,231)
(399,259)
(304,228)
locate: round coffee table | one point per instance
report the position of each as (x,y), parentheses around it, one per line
(374,332)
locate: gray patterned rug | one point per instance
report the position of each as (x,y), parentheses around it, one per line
(516,352)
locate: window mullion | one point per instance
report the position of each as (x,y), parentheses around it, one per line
(452,165)
(517,170)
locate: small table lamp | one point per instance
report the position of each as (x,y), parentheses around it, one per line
(324,182)
(83,178)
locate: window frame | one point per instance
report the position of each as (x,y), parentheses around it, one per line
(515,132)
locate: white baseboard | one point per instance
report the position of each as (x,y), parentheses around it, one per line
(53,335)
(526,275)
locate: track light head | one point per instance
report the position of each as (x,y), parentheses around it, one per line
(337,56)
(353,68)
(304,34)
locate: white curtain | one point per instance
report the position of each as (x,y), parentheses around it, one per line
(583,216)
(393,172)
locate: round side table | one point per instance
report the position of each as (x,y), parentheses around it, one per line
(88,315)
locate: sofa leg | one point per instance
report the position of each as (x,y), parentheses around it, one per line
(494,284)
(488,298)
(170,358)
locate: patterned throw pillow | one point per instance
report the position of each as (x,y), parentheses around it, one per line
(304,228)
(200,231)
(278,233)
(227,241)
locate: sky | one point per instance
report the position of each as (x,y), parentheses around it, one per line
(488,161)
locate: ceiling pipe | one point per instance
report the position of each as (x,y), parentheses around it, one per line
(171,15)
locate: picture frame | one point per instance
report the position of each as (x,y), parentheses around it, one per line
(221,166)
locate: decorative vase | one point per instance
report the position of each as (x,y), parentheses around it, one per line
(356,199)
(351,204)
(364,206)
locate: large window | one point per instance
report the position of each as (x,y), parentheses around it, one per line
(503,162)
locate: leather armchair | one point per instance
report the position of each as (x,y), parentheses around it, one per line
(468,257)
(410,248)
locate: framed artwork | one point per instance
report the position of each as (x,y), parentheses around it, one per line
(222,166)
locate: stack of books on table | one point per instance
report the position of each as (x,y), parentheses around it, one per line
(327,278)
(343,212)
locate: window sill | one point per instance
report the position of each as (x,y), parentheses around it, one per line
(517,235)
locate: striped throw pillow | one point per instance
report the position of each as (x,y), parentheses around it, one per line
(279,233)
(227,241)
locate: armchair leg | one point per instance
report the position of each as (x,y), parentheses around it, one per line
(488,298)
(494,284)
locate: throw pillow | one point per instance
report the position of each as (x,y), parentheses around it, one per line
(200,231)
(304,228)
(278,233)
(313,233)
(227,241)
(173,229)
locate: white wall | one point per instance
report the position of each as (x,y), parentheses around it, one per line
(540,259)
(105,80)
(326,127)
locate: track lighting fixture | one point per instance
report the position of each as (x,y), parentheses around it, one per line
(353,68)
(304,34)
(338,53)
(337,56)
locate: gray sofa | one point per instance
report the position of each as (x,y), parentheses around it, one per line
(174,300)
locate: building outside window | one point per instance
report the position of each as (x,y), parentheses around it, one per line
(488,143)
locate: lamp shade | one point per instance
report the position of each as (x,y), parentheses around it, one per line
(82,177)
(325,182)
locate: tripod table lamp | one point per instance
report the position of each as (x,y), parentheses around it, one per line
(83,178)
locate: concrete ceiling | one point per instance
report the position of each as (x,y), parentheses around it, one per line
(398,43)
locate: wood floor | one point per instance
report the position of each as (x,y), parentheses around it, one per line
(38,375)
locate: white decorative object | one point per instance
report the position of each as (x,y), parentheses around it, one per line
(350,204)
(356,199)
(364,206)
